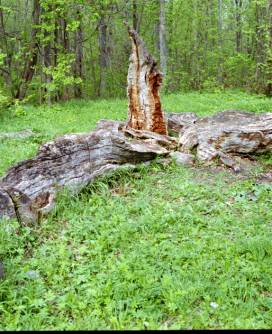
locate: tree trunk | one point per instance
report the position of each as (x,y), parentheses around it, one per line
(28,189)
(269,51)
(144,80)
(103,59)
(6,71)
(47,64)
(32,59)
(163,52)
(66,50)
(134,15)
(238,18)
(78,68)
(220,43)
(260,11)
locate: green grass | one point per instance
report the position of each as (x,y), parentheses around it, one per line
(149,249)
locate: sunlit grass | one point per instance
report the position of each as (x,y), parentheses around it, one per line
(157,248)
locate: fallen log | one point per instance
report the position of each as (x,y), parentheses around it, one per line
(28,189)
(223,135)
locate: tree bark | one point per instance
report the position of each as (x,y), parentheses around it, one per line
(134,15)
(66,49)
(223,135)
(220,43)
(103,61)
(260,12)
(28,189)
(144,80)
(238,14)
(269,51)
(163,50)
(78,68)
(32,59)
(7,60)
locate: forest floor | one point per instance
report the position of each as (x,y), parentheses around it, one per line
(163,247)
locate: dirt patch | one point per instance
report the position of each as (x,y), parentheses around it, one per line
(209,174)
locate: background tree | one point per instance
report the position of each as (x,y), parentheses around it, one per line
(53,50)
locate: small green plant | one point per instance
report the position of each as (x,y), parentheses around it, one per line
(61,76)
(5,102)
(18,108)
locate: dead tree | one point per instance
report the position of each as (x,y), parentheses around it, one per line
(144,80)
(28,190)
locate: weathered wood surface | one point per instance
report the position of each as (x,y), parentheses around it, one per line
(28,189)
(143,83)
(176,122)
(227,133)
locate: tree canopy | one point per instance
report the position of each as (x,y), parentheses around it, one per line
(52,50)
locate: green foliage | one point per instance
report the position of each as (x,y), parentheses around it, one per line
(60,75)
(239,71)
(195,56)
(156,248)
(211,85)
(5,102)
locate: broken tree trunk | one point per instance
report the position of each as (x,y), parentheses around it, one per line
(28,189)
(144,80)
(224,135)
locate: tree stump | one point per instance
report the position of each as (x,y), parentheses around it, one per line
(144,80)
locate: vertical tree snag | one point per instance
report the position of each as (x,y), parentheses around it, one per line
(144,80)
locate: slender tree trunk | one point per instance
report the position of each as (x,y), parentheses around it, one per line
(238,17)
(269,51)
(220,43)
(260,46)
(6,71)
(163,51)
(47,64)
(103,30)
(32,59)
(134,15)
(66,49)
(78,69)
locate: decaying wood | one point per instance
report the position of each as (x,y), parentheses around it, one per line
(223,135)
(28,189)
(144,80)
(176,122)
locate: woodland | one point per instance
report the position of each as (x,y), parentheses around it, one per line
(135,164)
(55,50)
